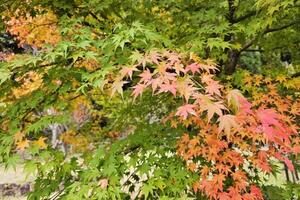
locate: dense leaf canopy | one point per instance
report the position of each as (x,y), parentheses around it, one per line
(168,99)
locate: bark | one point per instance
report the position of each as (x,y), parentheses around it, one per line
(230,65)
(232,55)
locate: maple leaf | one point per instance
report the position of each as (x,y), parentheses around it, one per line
(161,68)
(289,164)
(295,109)
(138,90)
(226,122)
(224,196)
(194,67)
(41,143)
(172,57)
(136,56)
(185,110)
(155,83)
(218,181)
(154,57)
(146,76)
(19,136)
(208,67)
(256,192)
(213,108)
(168,88)
(185,87)
(117,86)
(22,145)
(127,71)
(196,186)
(233,97)
(213,88)
(204,171)
(268,117)
(281,78)
(178,68)
(206,78)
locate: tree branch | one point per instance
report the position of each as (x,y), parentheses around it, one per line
(249,14)
(269,30)
(248,44)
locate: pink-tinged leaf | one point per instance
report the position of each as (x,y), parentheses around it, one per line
(117,86)
(172,57)
(103,183)
(154,57)
(167,77)
(289,164)
(213,108)
(146,76)
(138,90)
(226,122)
(194,67)
(245,105)
(268,116)
(202,98)
(208,68)
(155,83)
(185,110)
(179,68)
(207,78)
(213,88)
(185,87)
(168,88)
(127,71)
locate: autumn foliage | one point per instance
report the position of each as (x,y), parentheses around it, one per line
(232,138)
(109,100)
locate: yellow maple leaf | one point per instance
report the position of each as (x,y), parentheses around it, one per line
(281,78)
(22,145)
(41,143)
(18,136)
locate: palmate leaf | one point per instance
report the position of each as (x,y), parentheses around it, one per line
(147,189)
(12,162)
(45,121)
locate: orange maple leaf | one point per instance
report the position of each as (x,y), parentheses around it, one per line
(22,145)
(226,122)
(213,108)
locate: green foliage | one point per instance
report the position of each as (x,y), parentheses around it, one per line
(140,161)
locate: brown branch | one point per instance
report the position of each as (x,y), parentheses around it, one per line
(269,30)
(95,16)
(239,19)
(248,44)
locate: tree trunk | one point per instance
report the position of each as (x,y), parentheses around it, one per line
(230,65)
